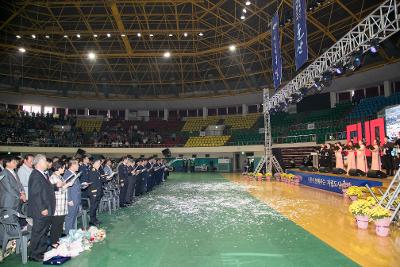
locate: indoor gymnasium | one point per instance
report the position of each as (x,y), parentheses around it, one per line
(197,133)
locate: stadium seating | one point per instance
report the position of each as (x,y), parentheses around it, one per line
(368,107)
(197,124)
(207,141)
(89,125)
(241,122)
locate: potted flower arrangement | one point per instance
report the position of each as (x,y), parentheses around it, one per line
(277,176)
(354,192)
(297,179)
(344,186)
(381,217)
(268,176)
(360,209)
(259,176)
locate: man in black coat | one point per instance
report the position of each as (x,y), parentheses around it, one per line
(42,203)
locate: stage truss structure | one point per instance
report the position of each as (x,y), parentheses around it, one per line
(379,25)
(269,159)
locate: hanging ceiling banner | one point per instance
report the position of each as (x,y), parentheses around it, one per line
(276,52)
(300,32)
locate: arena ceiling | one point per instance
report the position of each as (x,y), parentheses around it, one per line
(130,38)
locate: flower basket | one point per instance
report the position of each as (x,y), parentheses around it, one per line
(382,226)
(362,221)
(354,192)
(381,217)
(277,176)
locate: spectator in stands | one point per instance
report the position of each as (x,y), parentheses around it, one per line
(25,171)
(41,206)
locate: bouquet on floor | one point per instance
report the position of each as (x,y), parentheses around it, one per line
(360,207)
(354,191)
(76,242)
(379,212)
(10,249)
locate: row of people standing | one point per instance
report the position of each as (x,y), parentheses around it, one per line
(139,176)
(381,156)
(57,186)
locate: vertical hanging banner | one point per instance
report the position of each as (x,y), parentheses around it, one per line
(300,32)
(276,52)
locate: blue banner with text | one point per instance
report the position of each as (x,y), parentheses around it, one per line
(300,32)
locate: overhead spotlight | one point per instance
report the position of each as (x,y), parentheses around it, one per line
(18,36)
(95,35)
(170,35)
(108,35)
(326,78)
(185,34)
(33,36)
(374,45)
(65,36)
(139,34)
(244,10)
(248,3)
(201,34)
(318,84)
(167,54)
(91,56)
(232,48)
(47,36)
(151,35)
(340,69)
(22,50)
(242,17)
(355,60)
(78,35)
(123,35)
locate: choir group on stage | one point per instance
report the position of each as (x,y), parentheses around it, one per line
(52,191)
(382,156)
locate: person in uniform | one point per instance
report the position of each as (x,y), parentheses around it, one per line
(84,168)
(130,180)
(95,190)
(123,176)
(139,175)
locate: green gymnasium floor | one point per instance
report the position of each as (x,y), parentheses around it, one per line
(202,220)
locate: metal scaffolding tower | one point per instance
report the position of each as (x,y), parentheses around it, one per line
(269,158)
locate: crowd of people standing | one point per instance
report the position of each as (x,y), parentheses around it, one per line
(49,192)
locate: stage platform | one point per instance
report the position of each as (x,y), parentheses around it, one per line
(331,182)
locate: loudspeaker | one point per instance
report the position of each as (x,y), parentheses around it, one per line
(166,152)
(356,172)
(338,171)
(376,174)
(311,169)
(324,169)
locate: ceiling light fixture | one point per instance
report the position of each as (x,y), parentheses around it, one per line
(170,35)
(244,11)
(78,35)
(232,48)
(108,35)
(22,50)
(47,36)
(33,36)
(151,35)
(123,35)
(201,34)
(185,34)
(18,36)
(91,56)
(139,34)
(95,35)
(167,54)
(65,36)
(248,3)
(242,17)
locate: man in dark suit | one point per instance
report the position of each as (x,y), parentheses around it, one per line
(123,176)
(387,157)
(42,203)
